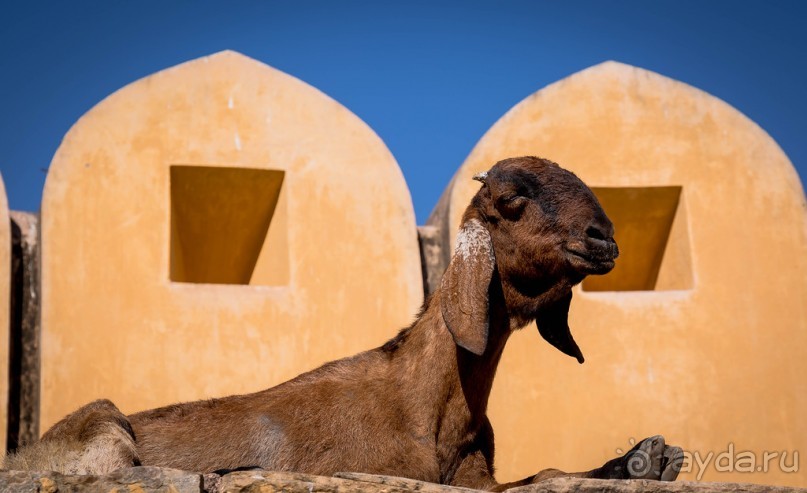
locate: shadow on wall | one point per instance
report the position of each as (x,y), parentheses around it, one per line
(220,220)
(653,237)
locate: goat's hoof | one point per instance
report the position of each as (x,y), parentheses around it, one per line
(653,459)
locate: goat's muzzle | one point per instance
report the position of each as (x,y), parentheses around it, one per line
(594,256)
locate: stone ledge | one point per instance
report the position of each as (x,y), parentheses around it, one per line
(135,479)
(579,485)
(159,480)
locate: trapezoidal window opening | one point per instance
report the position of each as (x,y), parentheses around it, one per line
(653,236)
(228,226)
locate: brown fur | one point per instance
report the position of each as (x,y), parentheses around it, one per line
(96,439)
(416,407)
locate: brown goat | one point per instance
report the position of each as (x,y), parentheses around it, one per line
(415,407)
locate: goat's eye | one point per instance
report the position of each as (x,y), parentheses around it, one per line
(512,198)
(511,205)
(520,199)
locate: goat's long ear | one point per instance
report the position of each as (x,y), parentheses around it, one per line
(553,324)
(465,285)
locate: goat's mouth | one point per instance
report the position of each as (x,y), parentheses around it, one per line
(591,262)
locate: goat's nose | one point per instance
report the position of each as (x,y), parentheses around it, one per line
(600,232)
(601,238)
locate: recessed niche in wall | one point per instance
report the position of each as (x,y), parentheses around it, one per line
(651,231)
(228,226)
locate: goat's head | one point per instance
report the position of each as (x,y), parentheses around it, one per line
(536,230)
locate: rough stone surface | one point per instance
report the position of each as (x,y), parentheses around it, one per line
(432,260)
(136,479)
(578,485)
(23,416)
(398,482)
(266,481)
(155,479)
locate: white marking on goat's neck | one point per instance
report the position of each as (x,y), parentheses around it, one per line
(472,240)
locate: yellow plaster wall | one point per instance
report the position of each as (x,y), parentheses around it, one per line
(5,306)
(722,362)
(332,264)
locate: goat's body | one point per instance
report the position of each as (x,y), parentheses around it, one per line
(392,410)
(415,407)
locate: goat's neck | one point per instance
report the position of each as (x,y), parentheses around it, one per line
(441,374)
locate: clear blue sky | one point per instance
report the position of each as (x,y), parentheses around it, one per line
(429,77)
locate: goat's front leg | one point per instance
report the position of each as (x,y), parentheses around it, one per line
(476,467)
(95,439)
(649,459)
